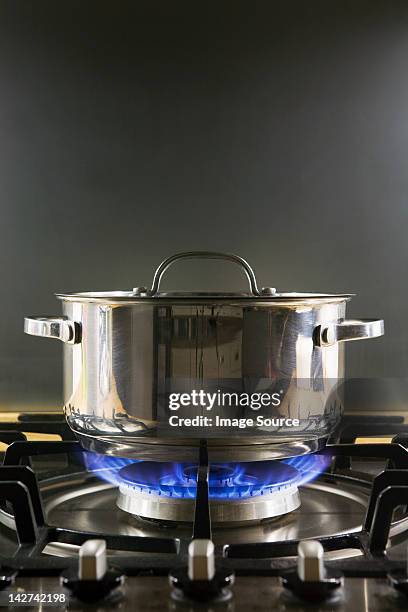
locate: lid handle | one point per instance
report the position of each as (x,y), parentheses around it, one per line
(204,255)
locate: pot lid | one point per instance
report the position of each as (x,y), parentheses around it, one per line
(143,294)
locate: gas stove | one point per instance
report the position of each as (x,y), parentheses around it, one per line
(80,529)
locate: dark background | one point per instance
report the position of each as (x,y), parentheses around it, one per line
(132,130)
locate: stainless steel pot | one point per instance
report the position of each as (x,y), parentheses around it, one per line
(124,350)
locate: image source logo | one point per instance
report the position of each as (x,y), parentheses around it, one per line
(261,410)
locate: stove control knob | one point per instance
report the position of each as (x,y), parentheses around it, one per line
(94,580)
(310,561)
(311,580)
(7,578)
(92,560)
(200,580)
(399,578)
(201,562)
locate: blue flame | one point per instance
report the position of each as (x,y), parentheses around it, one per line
(309,467)
(106,467)
(226,481)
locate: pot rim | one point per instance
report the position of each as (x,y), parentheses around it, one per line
(176,298)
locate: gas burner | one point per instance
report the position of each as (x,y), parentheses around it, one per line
(238,492)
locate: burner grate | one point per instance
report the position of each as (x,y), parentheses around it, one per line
(19,487)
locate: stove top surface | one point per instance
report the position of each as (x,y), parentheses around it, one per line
(328,506)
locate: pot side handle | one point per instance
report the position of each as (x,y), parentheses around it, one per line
(60,328)
(329,334)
